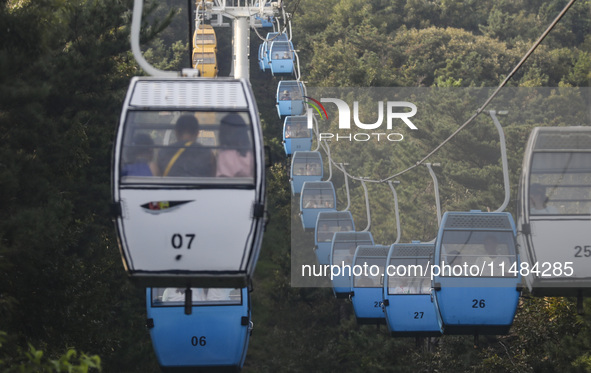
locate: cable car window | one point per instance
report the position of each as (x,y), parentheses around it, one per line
(319,199)
(343,252)
(201,37)
(370,278)
(559,183)
(306,166)
(281,51)
(290,93)
(201,296)
(206,58)
(410,277)
(477,254)
(296,130)
(326,231)
(187,147)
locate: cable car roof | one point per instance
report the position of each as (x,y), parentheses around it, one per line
(372,251)
(477,221)
(562,138)
(412,250)
(352,236)
(194,93)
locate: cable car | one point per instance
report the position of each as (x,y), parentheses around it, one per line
(290,98)
(305,166)
(204,38)
(408,307)
(316,196)
(327,224)
(214,336)
(342,253)
(477,289)
(554,211)
(263,21)
(367,283)
(176,194)
(281,57)
(261,57)
(296,134)
(271,37)
(205,60)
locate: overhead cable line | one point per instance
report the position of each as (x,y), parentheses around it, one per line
(479,110)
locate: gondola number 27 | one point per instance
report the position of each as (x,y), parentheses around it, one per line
(179,241)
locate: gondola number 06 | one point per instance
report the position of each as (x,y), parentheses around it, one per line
(198,341)
(179,241)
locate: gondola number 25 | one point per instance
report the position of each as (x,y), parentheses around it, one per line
(179,241)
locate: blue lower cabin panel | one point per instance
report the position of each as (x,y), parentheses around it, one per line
(323,252)
(470,310)
(367,303)
(298,181)
(341,286)
(212,336)
(281,66)
(293,145)
(410,315)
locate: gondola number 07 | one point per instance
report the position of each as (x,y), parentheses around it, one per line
(179,241)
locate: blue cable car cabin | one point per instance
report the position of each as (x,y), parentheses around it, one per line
(367,283)
(305,166)
(188,166)
(271,37)
(296,134)
(213,337)
(477,290)
(261,57)
(342,254)
(554,210)
(408,307)
(316,197)
(281,57)
(290,98)
(263,20)
(327,224)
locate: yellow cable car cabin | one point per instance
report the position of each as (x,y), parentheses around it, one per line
(205,37)
(206,62)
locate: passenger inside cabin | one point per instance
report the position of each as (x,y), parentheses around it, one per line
(404,286)
(538,201)
(285,96)
(311,203)
(186,157)
(324,235)
(235,158)
(492,261)
(141,155)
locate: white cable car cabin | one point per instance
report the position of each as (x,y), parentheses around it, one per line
(554,211)
(188,182)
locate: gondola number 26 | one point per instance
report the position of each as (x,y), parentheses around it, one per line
(179,241)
